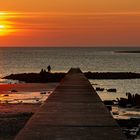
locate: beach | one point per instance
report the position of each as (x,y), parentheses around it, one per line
(19,101)
(13,117)
(25,93)
(18,106)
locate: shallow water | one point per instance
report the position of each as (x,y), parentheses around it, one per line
(122,86)
(25,93)
(24,97)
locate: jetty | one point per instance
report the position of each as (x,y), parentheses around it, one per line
(73,111)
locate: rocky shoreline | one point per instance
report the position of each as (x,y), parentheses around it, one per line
(43,76)
(137,51)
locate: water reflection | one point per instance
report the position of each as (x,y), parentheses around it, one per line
(25,93)
(24,97)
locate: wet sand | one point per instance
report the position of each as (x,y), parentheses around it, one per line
(25,93)
(18,108)
(13,117)
(27,87)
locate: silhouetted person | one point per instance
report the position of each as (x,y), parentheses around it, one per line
(49,68)
(42,71)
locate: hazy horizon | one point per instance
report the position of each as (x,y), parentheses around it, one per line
(70,46)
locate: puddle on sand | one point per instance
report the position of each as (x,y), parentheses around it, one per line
(125,113)
(24,97)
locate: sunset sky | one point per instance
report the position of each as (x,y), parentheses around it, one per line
(69,23)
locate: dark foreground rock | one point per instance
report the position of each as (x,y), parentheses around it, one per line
(130,101)
(11,124)
(130,127)
(44,76)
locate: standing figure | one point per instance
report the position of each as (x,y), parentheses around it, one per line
(49,68)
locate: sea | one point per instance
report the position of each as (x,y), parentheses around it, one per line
(100,59)
(61,59)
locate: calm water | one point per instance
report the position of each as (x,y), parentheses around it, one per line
(17,60)
(122,86)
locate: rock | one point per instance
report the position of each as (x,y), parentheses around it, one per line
(99,89)
(109,107)
(14,90)
(5,95)
(108,102)
(42,92)
(112,90)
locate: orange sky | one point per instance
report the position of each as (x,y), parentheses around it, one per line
(69,23)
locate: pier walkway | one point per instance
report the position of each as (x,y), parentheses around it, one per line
(73,111)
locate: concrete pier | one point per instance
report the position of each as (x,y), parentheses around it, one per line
(73,111)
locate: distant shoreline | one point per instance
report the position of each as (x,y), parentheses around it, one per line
(138,51)
(44,77)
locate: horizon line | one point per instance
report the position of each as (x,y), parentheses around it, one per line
(63,46)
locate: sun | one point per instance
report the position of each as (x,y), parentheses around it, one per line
(2,26)
(2,30)
(6,29)
(6,26)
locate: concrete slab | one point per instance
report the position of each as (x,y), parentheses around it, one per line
(72,133)
(73,111)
